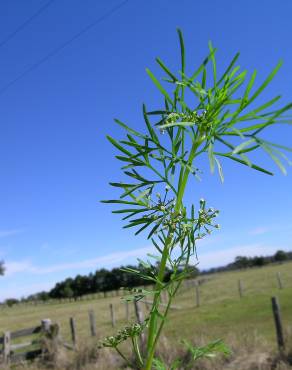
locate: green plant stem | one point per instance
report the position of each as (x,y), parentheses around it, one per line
(166,312)
(152,335)
(137,351)
(153,316)
(185,175)
(123,356)
(163,321)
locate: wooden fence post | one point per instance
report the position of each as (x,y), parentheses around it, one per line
(138,312)
(278,324)
(140,319)
(197,295)
(6,347)
(73,331)
(280,283)
(46,325)
(127,310)
(147,304)
(92,323)
(240,288)
(112,315)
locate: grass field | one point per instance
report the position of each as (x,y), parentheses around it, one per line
(222,314)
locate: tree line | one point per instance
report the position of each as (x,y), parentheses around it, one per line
(102,280)
(242,262)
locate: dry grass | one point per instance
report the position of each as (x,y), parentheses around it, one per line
(250,352)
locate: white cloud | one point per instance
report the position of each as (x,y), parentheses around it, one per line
(212,239)
(107,260)
(112,259)
(4,233)
(24,290)
(15,267)
(259,230)
(59,252)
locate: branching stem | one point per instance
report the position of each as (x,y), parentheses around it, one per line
(153,335)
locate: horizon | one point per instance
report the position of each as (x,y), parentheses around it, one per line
(229,258)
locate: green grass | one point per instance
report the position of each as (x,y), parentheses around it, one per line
(221,313)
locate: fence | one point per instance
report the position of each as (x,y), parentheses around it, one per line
(24,350)
(47,332)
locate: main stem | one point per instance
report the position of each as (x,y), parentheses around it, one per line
(153,335)
(153,316)
(166,312)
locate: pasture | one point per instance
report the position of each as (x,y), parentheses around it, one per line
(222,313)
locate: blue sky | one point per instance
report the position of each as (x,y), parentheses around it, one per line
(56,163)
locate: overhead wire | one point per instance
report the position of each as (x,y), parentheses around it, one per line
(62,46)
(26,23)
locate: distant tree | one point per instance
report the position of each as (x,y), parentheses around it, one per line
(258,261)
(99,280)
(67,291)
(280,256)
(241,262)
(2,268)
(11,301)
(42,296)
(77,286)
(56,291)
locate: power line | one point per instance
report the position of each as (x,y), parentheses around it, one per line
(63,46)
(26,23)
